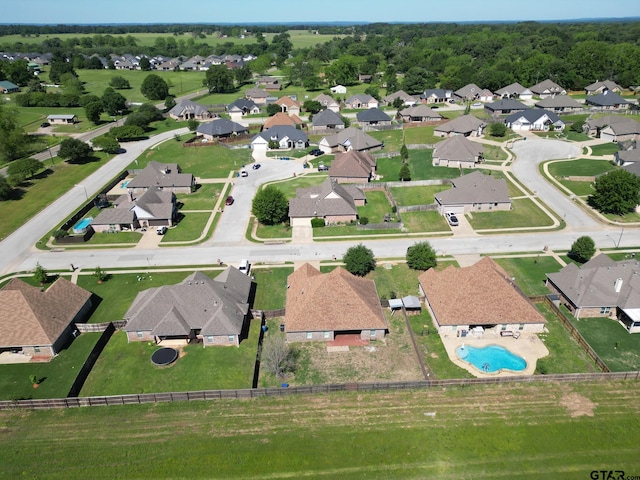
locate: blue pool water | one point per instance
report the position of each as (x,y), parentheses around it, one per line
(82,225)
(491,358)
(124,184)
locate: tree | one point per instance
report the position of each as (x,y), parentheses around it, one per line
(100,274)
(415,80)
(13,139)
(119,83)
(498,129)
(312,106)
(107,143)
(270,206)
(5,188)
(374,91)
(22,169)
(72,149)
(40,275)
(154,87)
(139,119)
(219,79)
(421,256)
(277,356)
(145,64)
(617,192)
(243,75)
(113,102)
(405,174)
(404,153)
(192,123)
(169,102)
(93,111)
(152,113)
(128,133)
(272,109)
(359,260)
(583,249)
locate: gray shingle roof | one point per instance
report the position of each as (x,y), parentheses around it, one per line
(420,111)
(221,126)
(327,117)
(458,148)
(464,124)
(242,104)
(327,199)
(606,99)
(164,175)
(475,188)
(470,91)
(505,104)
(559,101)
(189,106)
(513,89)
(547,86)
(373,115)
(532,115)
(352,137)
(278,132)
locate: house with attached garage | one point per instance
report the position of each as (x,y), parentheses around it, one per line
(475,299)
(328,102)
(327,120)
(504,107)
(626,158)
(373,116)
(39,323)
(474,192)
(286,136)
(601,287)
(436,95)
(162,176)
(62,119)
(351,138)
(360,101)
(281,118)
(407,100)
(618,127)
(534,120)
(607,100)
(515,90)
(220,128)
(559,104)
(601,87)
(288,105)
(257,95)
(242,107)
(457,152)
(419,113)
(353,167)
(190,110)
(468,93)
(547,88)
(465,125)
(200,310)
(324,306)
(331,201)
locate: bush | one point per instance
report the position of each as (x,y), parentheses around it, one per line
(359,260)
(317,222)
(364,220)
(583,249)
(498,129)
(421,256)
(59,234)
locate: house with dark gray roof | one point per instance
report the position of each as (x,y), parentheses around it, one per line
(504,107)
(162,176)
(515,90)
(189,110)
(351,138)
(286,136)
(607,100)
(626,158)
(601,288)
(466,125)
(242,107)
(602,86)
(373,116)
(457,152)
(199,309)
(220,128)
(534,119)
(361,100)
(559,104)
(38,323)
(474,192)
(331,201)
(436,95)
(327,120)
(547,88)
(353,167)
(419,113)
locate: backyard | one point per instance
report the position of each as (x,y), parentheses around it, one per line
(524,213)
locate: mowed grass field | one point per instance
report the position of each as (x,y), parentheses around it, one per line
(499,431)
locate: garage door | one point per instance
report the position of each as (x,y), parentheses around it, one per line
(457,209)
(300,222)
(158,223)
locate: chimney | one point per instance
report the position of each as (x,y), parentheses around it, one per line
(618,285)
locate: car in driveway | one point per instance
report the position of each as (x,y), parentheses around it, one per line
(452,219)
(256,166)
(161,230)
(316,152)
(229,200)
(323,168)
(477,104)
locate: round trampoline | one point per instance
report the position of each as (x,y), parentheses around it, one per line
(164,356)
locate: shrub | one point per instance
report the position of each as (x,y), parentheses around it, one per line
(60,234)
(317,222)
(359,260)
(583,249)
(364,220)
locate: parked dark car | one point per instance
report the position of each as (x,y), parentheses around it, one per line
(45,124)
(316,152)
(229,200)
(256,166)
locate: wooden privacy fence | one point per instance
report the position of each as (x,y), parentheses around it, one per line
(45,404)
(98,327)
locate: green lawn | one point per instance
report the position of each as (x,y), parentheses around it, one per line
(530,272)
(30,119)
(604,149)
(406,196)
(576,137)
(420,167)
(421,136)
(204,198)
(376,207)
(190,227)
(103,238)
(619,350)
(430,221)
(492,152)
(392,139)
(290,186)
(281,230)
(580,189)
(524,213)
(56,377)
(271,287)
(582,167)
(125,368)
(395,282)
(631,217)
(350,230)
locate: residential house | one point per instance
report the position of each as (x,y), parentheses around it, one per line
(270,84)
(328,102)
(62,119)
(457,152)
(242,107)
(189,110)
(474,192)
(373,116)
(504,107)
(624,129)
(331,201)
(351,138)
(282,118)
(468,93)
(194,63)
(162,176)
(437,95)
(220,128)
(627,158)
(257,95)
(407,100)
(477,298)
(547,88)
(601,87)
(169,65)
(515,90)
(288,105)
(419,113)
(361,101)
(560,104)
(594,126)
(364,78)
(286,136)
(534,119)
(601,288)
(200,309)
(322,307)
(39,323)
(607,100)
(466,125)
(8,87)
(353,167)
(338,89)
(327,120)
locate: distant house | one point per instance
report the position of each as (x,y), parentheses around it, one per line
(328,102)
(351,138)
(327,120)
(466,125)
(353,167)
(534,119)
(476,299)
(62,119)
(457,152)
(407,100)
(270,84)
(622,130)
(287,137)
(220,128)
(361,101)
(39,323)
(330,201)
(560,104)
(504,107)
(436,95)
(338,89)
(189,110)
(282,118)
(515,90)
(474,192)
(288,105)
(257,95)
(323,307)
(162,176)
(601,87)
(373,116)
(419,113)
(211,312)
(468,93)
(607,100)
(601,288)
(241,107)
(547,88)
(8,87)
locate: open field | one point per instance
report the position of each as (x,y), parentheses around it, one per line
(539,431)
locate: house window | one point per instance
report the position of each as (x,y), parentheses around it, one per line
(325,334)
(139,334)
(503,328)
(309,335)
(454,328)
(209,338)
(36,349)
(521,326)
(605,310)
(372,334)
(232,338)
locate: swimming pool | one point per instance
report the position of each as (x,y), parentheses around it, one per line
(491,358)
(82,225)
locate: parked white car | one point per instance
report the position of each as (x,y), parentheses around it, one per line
(452,219)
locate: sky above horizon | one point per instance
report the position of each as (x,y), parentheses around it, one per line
(287,11)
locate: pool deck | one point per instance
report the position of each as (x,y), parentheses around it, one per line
(528,346)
